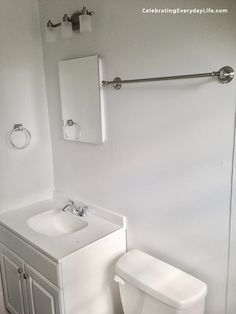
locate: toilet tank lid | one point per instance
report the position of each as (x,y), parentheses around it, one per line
(161,280)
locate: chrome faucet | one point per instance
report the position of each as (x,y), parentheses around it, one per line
(76,210)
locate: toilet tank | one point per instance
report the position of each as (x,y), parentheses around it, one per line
(151,286)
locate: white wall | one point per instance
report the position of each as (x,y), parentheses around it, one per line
(167,161)
(25,175)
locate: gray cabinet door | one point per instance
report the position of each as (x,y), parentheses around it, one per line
(43,297)
(13,286)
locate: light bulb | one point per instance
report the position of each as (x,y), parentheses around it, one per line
(66,27)
(85,23)
(66,30)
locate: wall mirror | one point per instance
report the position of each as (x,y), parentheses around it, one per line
(81,100)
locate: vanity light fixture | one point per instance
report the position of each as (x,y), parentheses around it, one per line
(78,22)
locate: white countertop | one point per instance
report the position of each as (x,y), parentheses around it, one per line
(56,247)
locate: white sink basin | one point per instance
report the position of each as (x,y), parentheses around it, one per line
(56,223)
(56,233)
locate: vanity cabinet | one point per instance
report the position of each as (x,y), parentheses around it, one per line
(79,283)
(25,290)
(13,286)
(43,297)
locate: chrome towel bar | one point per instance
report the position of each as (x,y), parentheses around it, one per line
(224,75)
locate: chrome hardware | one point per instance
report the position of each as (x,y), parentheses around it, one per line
(19,128)
(68,206)
(224,75)
(66,18)
(117,83)
(83,211)
(25,276)
(51,25)
(71,123)
(76,210)
(20,271)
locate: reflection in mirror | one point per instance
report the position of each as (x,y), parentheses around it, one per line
(81,100)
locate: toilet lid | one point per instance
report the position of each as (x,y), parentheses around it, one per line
(161,280)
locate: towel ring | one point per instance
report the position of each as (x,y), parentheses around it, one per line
(20,128)
(70,123)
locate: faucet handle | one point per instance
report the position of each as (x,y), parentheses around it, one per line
(71,202)
(83,210)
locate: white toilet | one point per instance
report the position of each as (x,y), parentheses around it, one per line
(150,286)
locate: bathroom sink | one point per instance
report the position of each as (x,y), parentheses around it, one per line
(56,223)
(57,233)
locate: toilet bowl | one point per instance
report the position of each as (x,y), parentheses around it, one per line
(150,286)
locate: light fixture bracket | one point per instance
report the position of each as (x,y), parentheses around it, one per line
(74,19)
(51,25)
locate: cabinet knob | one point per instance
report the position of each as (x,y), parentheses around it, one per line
(26,276)
(20,271)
